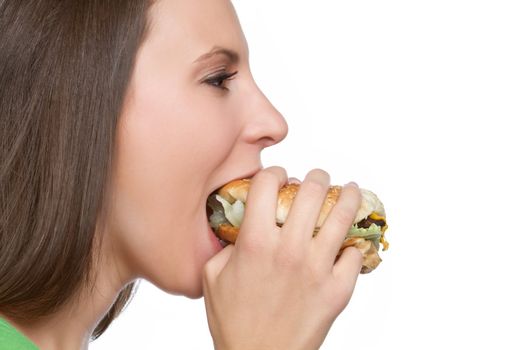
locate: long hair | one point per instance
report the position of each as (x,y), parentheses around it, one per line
(65,66)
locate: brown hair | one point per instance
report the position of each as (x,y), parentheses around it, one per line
(64,71)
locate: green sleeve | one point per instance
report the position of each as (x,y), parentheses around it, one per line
(12,339)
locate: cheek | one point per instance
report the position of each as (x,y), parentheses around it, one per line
(163,163)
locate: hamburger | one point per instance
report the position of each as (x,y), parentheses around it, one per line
(367,234)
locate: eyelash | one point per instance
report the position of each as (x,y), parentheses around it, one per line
(220,78)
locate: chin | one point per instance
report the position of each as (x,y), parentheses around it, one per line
(192,292)
(196,293)
(189,274)
(189,285)
(192,289)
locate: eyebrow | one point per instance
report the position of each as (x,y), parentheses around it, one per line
(231,55)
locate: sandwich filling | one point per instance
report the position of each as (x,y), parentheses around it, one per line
(371,228)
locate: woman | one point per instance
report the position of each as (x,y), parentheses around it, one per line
(118,119)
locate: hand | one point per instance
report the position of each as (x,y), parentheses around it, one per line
(278,287)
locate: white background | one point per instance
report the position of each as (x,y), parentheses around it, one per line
(423,102)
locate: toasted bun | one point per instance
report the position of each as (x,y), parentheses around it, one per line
(238,190)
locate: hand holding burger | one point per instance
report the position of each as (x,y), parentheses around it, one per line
(278,287)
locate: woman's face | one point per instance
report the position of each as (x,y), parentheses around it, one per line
(183,133)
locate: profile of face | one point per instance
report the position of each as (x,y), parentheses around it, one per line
(186,129)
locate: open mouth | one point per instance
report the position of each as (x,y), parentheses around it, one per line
(214,214)
(215,211)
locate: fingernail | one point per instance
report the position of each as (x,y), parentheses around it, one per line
(353,184)
(294,180)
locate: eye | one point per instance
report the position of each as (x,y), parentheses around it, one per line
(218,80)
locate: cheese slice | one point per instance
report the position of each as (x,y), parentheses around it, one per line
(375,216)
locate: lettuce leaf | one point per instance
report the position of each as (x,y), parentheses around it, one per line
(233,212)
(218,217)
(226,213)
(373,232)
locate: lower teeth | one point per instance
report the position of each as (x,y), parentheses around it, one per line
(221,241)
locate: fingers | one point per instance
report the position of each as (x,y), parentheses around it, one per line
(347,268)
(215,265)
(302,218)
(294,180)
(332,234)
(261,205)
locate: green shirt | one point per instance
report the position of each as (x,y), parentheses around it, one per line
(12,339)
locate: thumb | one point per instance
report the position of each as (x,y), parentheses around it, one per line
(216,264)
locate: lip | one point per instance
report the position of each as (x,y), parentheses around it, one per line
(240,177)
(217,246)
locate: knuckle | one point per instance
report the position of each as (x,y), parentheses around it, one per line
(314,188)
(265,178)
(350,199)
(356,194)
(270,175)
(343,216)
(357,256)
(275,169)
(252,246)
(287,259)
(316,183)
(316,273)
(318,175)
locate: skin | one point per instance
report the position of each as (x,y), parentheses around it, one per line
(279,288)
(178,139)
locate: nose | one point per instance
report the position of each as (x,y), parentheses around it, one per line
(265,125)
